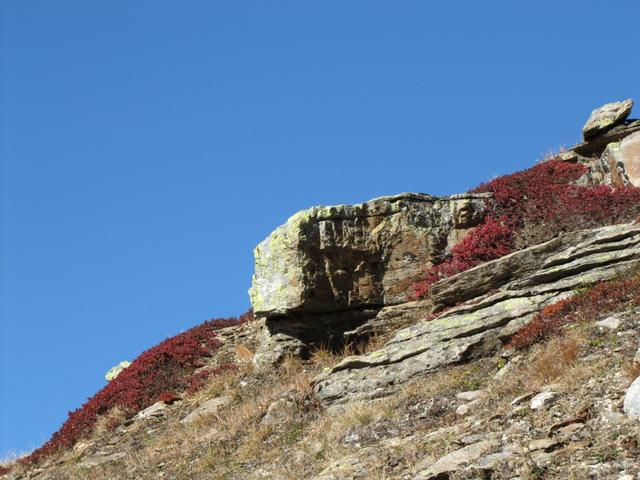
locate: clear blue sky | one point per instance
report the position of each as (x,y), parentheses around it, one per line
(148,146)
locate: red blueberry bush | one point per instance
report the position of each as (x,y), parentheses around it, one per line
(595,303)
(158,374)
(530,207)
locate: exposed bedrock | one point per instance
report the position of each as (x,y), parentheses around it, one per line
(502,295)
(338,274)
(329,269)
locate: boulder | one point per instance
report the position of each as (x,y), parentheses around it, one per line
(606,117)
(328,259)
(116,370)
(626,154)
(503,295)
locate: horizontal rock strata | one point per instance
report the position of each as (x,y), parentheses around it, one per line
(502,295)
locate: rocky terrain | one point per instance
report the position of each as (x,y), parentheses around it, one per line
(481,335)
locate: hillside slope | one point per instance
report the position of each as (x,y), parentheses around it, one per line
(492,334)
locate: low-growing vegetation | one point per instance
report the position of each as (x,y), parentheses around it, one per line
(158,374)
(531,207)
(589,305)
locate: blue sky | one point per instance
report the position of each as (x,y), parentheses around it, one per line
(148,146)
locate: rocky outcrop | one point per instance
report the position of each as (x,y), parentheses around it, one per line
(330,274)
(328,259)
(606,117)
(626,154)
(329,269)
(502,296)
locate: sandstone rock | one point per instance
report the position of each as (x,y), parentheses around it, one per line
(116,370)
(626,154)
(347,256)
(209,407)
(508,293)
(329,270)
(455,460)
(389,319)
(632,400)
(605,117)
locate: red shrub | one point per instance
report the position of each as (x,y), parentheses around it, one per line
(599,301)
(530,207)
(156,375)
(492,239)
(4,470)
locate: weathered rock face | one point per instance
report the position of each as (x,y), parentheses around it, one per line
(330,269)
(606,117)
(506,293)
(328,259)
(626,154)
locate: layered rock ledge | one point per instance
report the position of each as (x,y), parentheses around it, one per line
(503,295)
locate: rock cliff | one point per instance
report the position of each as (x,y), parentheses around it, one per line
(332,275)
(329,269)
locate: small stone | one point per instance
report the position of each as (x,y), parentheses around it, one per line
(543,400)
(279,411)
(471,395)
(206,408)
(508,368)
(155,410)
(101,460)
(632,400)
(546,444)
(442,433)
(636,358)
(606,117)
(465,408)
(611,323)
(455,460)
